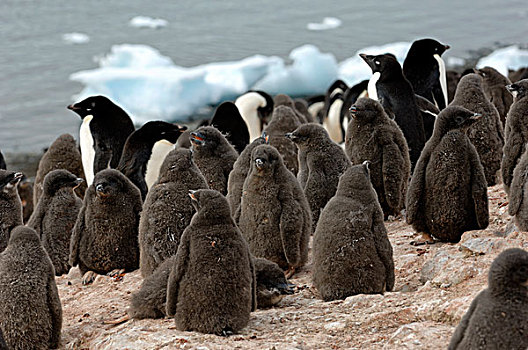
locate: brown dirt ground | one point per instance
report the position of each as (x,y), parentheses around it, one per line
(414,316)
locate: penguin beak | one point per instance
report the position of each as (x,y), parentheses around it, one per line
(285,288)
(353,111)
(368,59)
(447,47)
(77,182)
(181,127)
(265,136)
(16,178)
(197,138)
(476,116)
(192,195)
(259,163)
(291,136)
(511,88)
(73,107)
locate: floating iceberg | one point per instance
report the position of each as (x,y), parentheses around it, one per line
(354,69)
(310,73)
(150,86)
(75,38)
(327,23)
(511,57)
(147,22)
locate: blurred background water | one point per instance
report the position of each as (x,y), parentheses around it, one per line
(36,62)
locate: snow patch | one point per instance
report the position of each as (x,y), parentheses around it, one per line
(512,57)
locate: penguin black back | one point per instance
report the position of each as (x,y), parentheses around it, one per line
(145,150)
(104,130)
(389,86)
(425,70)
(228,121)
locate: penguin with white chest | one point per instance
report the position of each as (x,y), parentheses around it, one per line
(145,150)
(256,108)
(425,70)
(104,130)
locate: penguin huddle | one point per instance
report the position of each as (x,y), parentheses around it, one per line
(218,228)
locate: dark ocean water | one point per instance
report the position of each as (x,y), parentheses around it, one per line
(35,62)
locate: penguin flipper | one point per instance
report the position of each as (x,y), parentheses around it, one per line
(76,237)
(102,159)
(415,191)
(392,171)
(513,149)
(177,273)
(55,309)
(290,227)
(517,191)
(479,189)
(462,326)
(384,249)
(438,96)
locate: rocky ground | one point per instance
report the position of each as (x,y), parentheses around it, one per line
(434,286)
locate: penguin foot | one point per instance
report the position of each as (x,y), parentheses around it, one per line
(116,274)
(424,239)
(88,277)
(290,272)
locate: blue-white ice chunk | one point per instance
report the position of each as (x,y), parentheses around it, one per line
(326,24)
(147,22)
(310,73)
(511,57)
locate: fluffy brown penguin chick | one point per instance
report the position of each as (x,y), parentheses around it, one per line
(30,311)
(10,205)
(62,154)
(352,252)
(105,236)
(448,195)
(282,122)
(497,317)
(55,216)
(373,136)
(214,156)
(237,176)
(211,245)
(167,210)
(494,85)
(515,131)
(275,217)
(487,135)
(271,283)
(321,163)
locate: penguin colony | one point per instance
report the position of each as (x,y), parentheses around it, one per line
(183,215)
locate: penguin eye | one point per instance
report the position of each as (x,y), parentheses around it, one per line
(377,63)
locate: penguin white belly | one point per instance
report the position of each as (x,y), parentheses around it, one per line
(87,149)
(371,88)
(315,108)
(332,123)
(248,105)
(158,155)
(443,79)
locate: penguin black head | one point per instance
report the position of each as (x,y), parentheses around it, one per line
(109,183)
(210,203)
(206,138)
(308,135)
(23,234)
(228,120)
(509,271)
(57,179)
(366,110)
(154,131)
(453,118)
(385,64)
(265,159)
(337,86)
(426,47)
(92,105)
(356,177)
(518,89)
(179,159)
(9,180)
